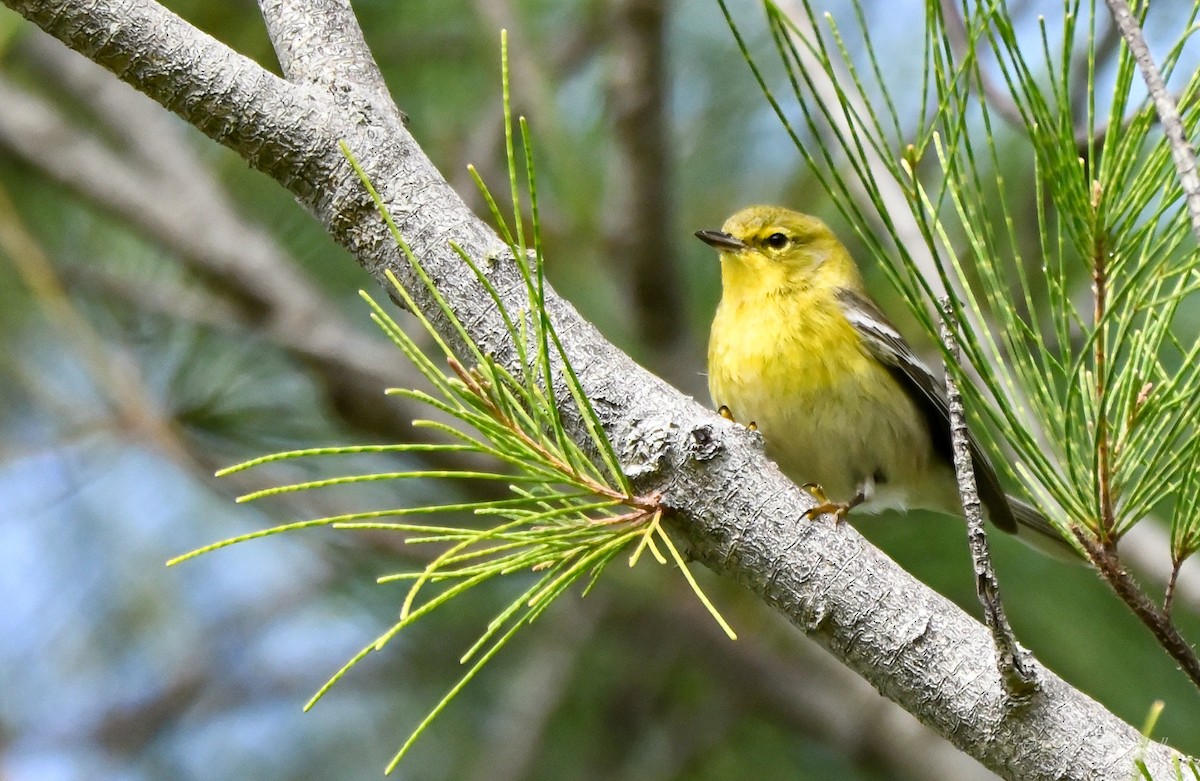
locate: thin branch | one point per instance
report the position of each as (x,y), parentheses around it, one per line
(1014,663)
(1182,151)
(1169,593)
(1146,549)
(1102,551)
(1156,620)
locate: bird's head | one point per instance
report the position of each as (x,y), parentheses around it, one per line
(770,248)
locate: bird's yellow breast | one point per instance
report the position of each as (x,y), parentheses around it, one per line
(788,360)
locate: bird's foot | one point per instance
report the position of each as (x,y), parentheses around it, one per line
(825,506)
(727,413)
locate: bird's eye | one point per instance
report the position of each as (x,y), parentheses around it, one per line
(777,241)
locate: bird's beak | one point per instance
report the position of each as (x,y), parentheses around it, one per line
(721,240)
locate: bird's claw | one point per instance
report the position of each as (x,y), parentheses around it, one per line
(727,413)
(824,505)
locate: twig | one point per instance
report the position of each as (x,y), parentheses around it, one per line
(1181,150)
(1169,594)
(1013,662)
(1158,622)
(1101,548)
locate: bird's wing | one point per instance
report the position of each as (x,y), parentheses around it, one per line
(887,345)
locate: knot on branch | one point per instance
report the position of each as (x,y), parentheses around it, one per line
(703,443)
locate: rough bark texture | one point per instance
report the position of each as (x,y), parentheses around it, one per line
(736,511)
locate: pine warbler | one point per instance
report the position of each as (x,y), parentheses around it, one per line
(844,405)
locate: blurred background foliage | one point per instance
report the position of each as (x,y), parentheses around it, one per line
(165,311)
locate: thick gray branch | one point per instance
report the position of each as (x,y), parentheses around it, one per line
(738,513)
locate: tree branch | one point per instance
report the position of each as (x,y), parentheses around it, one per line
(1126,588)
(1011,659)
(739,514)
(1168,113)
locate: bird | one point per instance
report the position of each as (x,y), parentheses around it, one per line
(844,405)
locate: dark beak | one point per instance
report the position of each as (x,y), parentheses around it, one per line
(720,240)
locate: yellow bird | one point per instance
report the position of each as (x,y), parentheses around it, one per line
(844,405)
